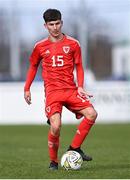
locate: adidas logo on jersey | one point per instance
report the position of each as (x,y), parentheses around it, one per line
(47,52)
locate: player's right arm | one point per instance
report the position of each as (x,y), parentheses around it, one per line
(34,63)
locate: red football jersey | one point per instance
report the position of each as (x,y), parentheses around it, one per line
(58,60)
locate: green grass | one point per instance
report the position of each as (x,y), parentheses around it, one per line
(24,153)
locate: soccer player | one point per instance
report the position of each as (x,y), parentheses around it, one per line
(58,55)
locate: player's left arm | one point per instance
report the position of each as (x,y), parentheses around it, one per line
(80,80)
(80,73)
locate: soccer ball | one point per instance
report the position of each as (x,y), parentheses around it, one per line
(71,160)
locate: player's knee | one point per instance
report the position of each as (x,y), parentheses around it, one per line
(92,114)
(55,129)
(55,124)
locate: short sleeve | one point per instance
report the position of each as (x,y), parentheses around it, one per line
(77,54)
(35,56)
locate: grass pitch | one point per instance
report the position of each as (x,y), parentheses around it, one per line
(24,153)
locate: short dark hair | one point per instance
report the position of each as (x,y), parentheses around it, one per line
(51,15)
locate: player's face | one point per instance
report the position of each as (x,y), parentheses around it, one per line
(54,27)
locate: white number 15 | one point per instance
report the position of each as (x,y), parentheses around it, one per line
(57,61)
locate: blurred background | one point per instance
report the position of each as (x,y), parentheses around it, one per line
(103,30)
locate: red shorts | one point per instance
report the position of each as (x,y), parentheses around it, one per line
(68,98)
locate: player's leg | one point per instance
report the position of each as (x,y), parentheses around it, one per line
(84,127)
(53,140)
(83,107)
(53,110)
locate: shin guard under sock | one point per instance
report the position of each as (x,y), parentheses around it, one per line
(53,145)
(82,131)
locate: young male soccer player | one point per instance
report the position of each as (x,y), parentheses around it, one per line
(58,55)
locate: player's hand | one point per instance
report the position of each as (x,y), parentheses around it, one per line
(83,93)
(27,97)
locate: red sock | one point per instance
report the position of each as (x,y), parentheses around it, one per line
(53,145)
(82,131)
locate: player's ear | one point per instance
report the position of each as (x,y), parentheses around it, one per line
(45,25)
(61,23)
